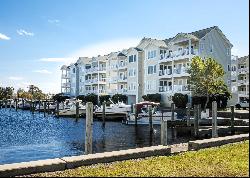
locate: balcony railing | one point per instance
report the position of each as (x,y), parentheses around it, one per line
(165,72)
(122,65)
(177,54)
(65,85)
(244,93)
(243,82)
(124,90)
(165,88)
(122,79)
(180,88)
(65,76)
(243,70)
(95,69)
(182,70)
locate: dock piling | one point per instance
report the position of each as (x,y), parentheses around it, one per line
(150,118)
(57,109)
(188,114)
(89,125)
(16,104)
(232,119)
(103,113)
(214,120)
(44,108)
(196,128)
(77,109)
(164,131)
(136,114)
(172,111)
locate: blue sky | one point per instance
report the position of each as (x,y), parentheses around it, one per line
(38,36)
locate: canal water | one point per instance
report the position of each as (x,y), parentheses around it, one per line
(26,137)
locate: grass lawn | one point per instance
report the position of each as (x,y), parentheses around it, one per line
(228,160)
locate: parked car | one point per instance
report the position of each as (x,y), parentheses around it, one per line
(242,104)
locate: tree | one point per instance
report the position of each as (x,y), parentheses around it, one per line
(119,97)
(6,93)
(152,97)
(206,78)
(180,100)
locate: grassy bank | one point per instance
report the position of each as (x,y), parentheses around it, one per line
(229,160)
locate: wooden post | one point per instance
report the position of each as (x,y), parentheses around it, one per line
(57,108)
(214,120)
(6,102)
(39,106)
(44,108)
(232,119)
(188,114)
(150,118)
(103,113)
(172,111)
(164,131)
(23,103)
(136,114)
(16,103)
(199,113)
(196,128)
(89,125)
(77,109)
(132,108)
(32,106)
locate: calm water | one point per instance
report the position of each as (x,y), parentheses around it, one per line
(27,137)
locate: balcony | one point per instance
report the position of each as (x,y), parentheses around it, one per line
(181,88)
(122,91)
(243,82)
(165,88)
(65,76)
(177,55)
(95,70)
(243,70)
(65,85)
(122,79)
(95,81)
(179,72)
(113,80)
(244,93)
(167,73)
(113,67)
(122,66)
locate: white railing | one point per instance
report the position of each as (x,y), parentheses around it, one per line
(180,88)
(65,84)
(242,82)
(165,72)
(122,79)
(182,70)
(65,76)
(124,90)
(244,93)
(243,70)
(122,65)
(178,53)
(165,88)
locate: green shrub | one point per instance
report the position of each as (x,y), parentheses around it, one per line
(119,97)
(152,97)
(82,98)
(92,98)
(104,98)
(180,100)
(60,97)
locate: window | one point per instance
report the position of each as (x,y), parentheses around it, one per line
(131,72)
(152,69)
(74,70)
(202,46)
(132,58)
(228,67)
(151,54)
(211,48)
(228,51)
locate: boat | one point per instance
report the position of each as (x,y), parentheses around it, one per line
(25,105)
(70,110)
(113,111)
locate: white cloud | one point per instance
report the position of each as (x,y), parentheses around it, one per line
(43,71)
(56,59)
(15,78)
(24,33)
(240,51)
(4,37)
(103,48)
(54,21)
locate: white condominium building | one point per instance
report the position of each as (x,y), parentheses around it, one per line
(240,78)
(153,66)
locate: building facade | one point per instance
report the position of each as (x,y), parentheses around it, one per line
(153,66)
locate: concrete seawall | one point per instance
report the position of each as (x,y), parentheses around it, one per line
(60,164)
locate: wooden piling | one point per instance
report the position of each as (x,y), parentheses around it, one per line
(32,106)
(89,125)
(150,118)
(6,102)
(136,114)
(44,108)
(164,135)
(57,109)
(23,103)
(16,104)
(232,119)
(39,106)
(214,120)
(103,113)
(188,114)
(77,109)
(196,128)
(172,111)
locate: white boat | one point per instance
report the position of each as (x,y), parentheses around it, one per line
(119,108)
(143,118)
(70,110)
